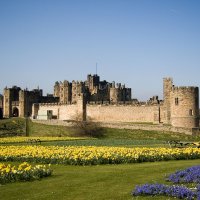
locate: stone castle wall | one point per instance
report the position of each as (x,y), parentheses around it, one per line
(103,113)
(123,113)
(62,111)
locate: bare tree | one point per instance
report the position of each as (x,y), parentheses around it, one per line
(86,128)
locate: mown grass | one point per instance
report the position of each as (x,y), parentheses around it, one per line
(104,182)
(110,143)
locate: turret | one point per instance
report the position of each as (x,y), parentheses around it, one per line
(185,107)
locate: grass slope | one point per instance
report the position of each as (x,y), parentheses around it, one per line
(105,182)
(12,127)
(112,137)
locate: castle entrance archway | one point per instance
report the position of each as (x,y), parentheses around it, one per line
(15,112)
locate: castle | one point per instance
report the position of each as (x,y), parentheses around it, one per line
(105,102)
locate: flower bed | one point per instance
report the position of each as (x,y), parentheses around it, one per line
(22,172)
(180,192)
(189,175)
(83,155)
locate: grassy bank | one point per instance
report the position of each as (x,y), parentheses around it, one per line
(111,136)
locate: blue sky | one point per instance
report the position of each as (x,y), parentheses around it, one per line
(136,42)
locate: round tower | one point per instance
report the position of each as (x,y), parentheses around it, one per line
(185,107)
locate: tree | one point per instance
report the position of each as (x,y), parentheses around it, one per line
(87,128)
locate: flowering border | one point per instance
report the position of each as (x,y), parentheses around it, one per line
(23,172)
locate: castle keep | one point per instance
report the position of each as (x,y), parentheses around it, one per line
(93,89)
(103,101)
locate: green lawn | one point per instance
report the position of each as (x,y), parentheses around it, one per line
(110,142)
(104,182)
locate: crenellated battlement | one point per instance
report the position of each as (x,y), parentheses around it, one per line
(168,79)
(77,82)
(184,89)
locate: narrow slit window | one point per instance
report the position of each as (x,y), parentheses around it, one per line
(176,101)
(191,112)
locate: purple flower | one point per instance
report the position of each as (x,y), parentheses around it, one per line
(189,175)
(180,192)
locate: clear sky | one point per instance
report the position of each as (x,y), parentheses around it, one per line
(136,42)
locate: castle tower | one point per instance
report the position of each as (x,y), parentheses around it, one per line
(115,93)
(92,81)
(22,103)
(126,93)
(7,109)
(78,88)
(167,88)
(11,101)
(56,89)
(26,100)
(119,93)
(185,107)
(81,107)
(65,92)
